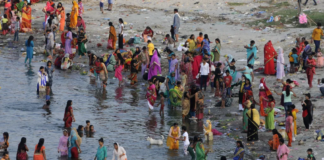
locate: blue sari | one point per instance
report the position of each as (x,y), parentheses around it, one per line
(237,153)
(71,141)
(251,54)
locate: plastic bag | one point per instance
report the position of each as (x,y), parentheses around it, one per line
(110,44)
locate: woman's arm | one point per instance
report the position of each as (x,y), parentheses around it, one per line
(252,74)
(85,38)
(26,148)
(71,112)
(78,145)
(278,93)
(44,155)
(167,83)
(294,94)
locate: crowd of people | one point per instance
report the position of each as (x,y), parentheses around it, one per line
(185,85)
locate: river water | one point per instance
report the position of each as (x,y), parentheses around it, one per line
(120,115)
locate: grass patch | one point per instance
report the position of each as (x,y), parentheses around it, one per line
(236,4)
(288,16)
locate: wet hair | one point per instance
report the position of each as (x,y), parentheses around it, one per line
(287,91)
(29,39)
(48,62)
(91,126)
(219,64)
(186,95)
(68,104)
(175,10)
(206,36)
(252,106)
(233,60)
(308,95)
(59,6)
(241,144)
(223,158)
(101,140)
(22,144)
(310,150)
(48,102)
(200,33)
(149,41)
(195,139)
(29,4)
(157,51)
(270,97)
(40,145)
(79,128)
(322,81)
(250,65)
(303,38)
(87,121)
(275,131)
(184,128)
(51,16)
(67,14)
(217,39)
(121,20)
(246,79)
(110,24)
(115,144)
(6,134)
(289,113)
(227,71)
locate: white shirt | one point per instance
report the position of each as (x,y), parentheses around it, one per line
(204,69)
(117,154)
(120,28)
(186,142)
(320,85)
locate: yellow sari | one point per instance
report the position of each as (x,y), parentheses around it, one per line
(74,15)
(171,142)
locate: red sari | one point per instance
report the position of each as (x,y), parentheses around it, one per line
(68,118)
(196,65)
(269,55)
(263,94)
(310,71)
(300,48)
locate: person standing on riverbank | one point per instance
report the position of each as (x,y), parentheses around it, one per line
(29,49)
(176,24)
(316,35)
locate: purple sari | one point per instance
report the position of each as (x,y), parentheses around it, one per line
(68,48)
(173,64)
(154,67)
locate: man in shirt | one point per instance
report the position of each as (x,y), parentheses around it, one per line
(150,48)
(316,36)
(176,24)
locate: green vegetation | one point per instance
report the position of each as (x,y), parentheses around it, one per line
(236,4)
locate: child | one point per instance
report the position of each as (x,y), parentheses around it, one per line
(212,77)
(67,20)
(101,6)
(185,138)
(17,29)
(92,130)
(190,149)
(87,127)
(183,79)
(170,41)
(222,89)
(296,60)
(46,106)
(172,32)
(292,60)
(228,81)
(5,25)
(310,155)
(162,103)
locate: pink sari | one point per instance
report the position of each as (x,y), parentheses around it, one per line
(151,97)
(48,8)
(118,72)
(282,149)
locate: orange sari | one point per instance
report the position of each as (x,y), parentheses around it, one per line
(113,36)
(62,20)
(274,143)
(26,19)
(74,15)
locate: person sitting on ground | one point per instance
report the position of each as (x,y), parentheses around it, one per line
(169,41)
(310,155)
(147,34)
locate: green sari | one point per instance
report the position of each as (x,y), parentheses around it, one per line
(269,120)
(200,152)
(175,97)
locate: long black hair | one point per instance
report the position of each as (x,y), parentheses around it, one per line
(287,90)
(68,104)
(59,6)
(120,57)
(275,131)
(157,51)
(29,40)
(121,20)
(22,144)
(241,144)
(40,145)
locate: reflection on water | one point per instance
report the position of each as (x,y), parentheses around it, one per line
(119,114)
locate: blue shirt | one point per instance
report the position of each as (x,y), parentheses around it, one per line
(295,56)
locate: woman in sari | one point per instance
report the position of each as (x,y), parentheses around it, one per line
(81,9)
(62,147)
(26,19)
(191,43)
(185,105)
(269,55)
(60,13)
(68,115)
(196,65)
(147,34)
(73,145)
(269,112)
(216,51)
(119,152)
(170,84)
(119,68)
(239,151)
(188,67)
(264,92)
(101,151)
(48,9)
(248,72)
(201,154)
(280,65)
(307,111)
(74,15)
(300,45)
(294,112)
(199,96)
(42,80)
(274,142)
(134,68)
(22,150)
(112,36)
(205,49)
(282,151)
(68,40)
(20,7)
(151,94)
(175,95)
(247,105)
(82,39)
(155,65)
(232,69)
(7,5)
(81,23)
(310,71)
(103,73)
(173,137)
(39,153)
(253,124)
(320,59)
